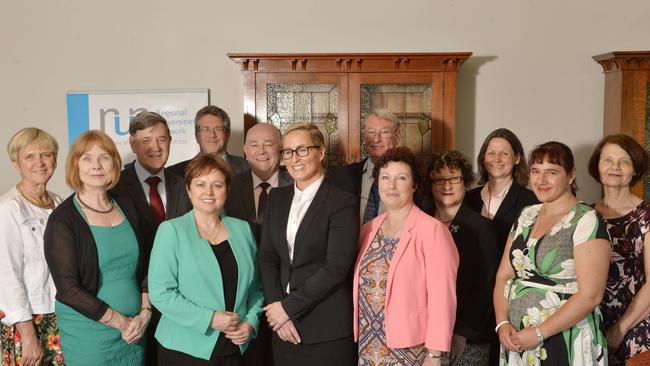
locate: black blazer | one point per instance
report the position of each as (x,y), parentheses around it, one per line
(241,200)
(515,200)
(320,299)
(477,248)
(178,202)
(348,177)
(71,255)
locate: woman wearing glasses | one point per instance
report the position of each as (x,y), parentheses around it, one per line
(448,175)
(308,248)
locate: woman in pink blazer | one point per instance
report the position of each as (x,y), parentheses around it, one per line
(405,276)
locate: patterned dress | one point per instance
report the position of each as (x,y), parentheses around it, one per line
(545,278)
(627,276)
(373,274)
(47,332)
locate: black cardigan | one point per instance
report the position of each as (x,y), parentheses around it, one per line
(515,200)
(71,255)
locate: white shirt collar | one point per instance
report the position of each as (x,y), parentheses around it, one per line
(273,180)
(143,173)
(308,193)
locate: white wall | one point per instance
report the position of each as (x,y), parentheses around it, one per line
(531,72)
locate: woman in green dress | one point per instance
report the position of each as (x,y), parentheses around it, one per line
(553,272)
(93,251)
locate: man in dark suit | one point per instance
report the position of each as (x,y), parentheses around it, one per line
(157,193)
(382,132)
(212,132)
(247,200)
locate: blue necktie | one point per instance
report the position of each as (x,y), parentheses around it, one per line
(372,207)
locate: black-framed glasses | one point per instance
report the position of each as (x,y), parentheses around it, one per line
(301,151)
(443,181)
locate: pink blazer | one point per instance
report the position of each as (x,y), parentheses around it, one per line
(421,285)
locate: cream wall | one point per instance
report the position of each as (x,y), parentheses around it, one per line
(531,72)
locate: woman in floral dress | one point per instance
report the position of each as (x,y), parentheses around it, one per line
(618,162)
(553,272)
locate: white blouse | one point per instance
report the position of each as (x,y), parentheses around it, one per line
(27,286)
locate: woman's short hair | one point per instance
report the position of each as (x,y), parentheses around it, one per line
(638,154)
(82,144)
(519,171)
(555,153)
(400,154)
(449,160)
(314,132)
(30,136)
(204,164)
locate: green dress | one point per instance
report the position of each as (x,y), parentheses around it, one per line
(545,278)
(87,342)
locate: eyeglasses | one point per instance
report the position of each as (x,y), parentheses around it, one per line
(443,181)
(384,134)
(211,130)
(608,162)
(301,151)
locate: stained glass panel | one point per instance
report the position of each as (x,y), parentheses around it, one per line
(291,103)
(411,103)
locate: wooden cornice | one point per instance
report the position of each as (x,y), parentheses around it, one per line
(349,62)
(624,60)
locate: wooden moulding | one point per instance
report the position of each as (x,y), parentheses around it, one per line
(350,62)
(624,60)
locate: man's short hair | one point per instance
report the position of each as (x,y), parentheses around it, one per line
(215,111)
(144,120)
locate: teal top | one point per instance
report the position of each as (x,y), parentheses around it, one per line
(185,284)
(87,342)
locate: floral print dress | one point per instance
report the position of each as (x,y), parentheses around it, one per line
(545,278)
(627,276)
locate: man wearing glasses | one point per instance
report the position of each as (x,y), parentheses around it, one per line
(212,131)
(382,133)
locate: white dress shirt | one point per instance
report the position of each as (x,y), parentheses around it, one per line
(299,206)
(366,185)
(143,174)
(491,204)
(27,287)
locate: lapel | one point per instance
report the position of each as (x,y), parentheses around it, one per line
(509,201)
(172,188)
(404,242)
(317,205)
(134,189)
(284,179)
(247,196)
(285,198)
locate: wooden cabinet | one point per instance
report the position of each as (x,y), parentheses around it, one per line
(337,91)
(627,99)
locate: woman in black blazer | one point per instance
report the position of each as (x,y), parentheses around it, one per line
(503,177)
(448,175)
(308,248)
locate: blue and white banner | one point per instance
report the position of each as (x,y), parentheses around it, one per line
(112,111)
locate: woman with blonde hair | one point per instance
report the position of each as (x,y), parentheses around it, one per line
(28,334)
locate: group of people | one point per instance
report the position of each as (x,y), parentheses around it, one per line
(272,259)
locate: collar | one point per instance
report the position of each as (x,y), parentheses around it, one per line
(368,167)
(308,193)
(485,192)
(273,180)
(143,173)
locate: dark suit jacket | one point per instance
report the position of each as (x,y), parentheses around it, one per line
(477,248)
(320,299)
(241,200)
(237,164)
(516,199)
(178,203)
(348,177)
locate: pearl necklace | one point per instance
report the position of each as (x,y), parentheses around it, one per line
(94,209)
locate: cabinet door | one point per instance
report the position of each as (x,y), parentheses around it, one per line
(416,98)
(284,99)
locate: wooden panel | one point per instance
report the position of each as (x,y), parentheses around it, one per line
(249,100)
(260,97)
(354,118)
(449,105)
(437,111)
